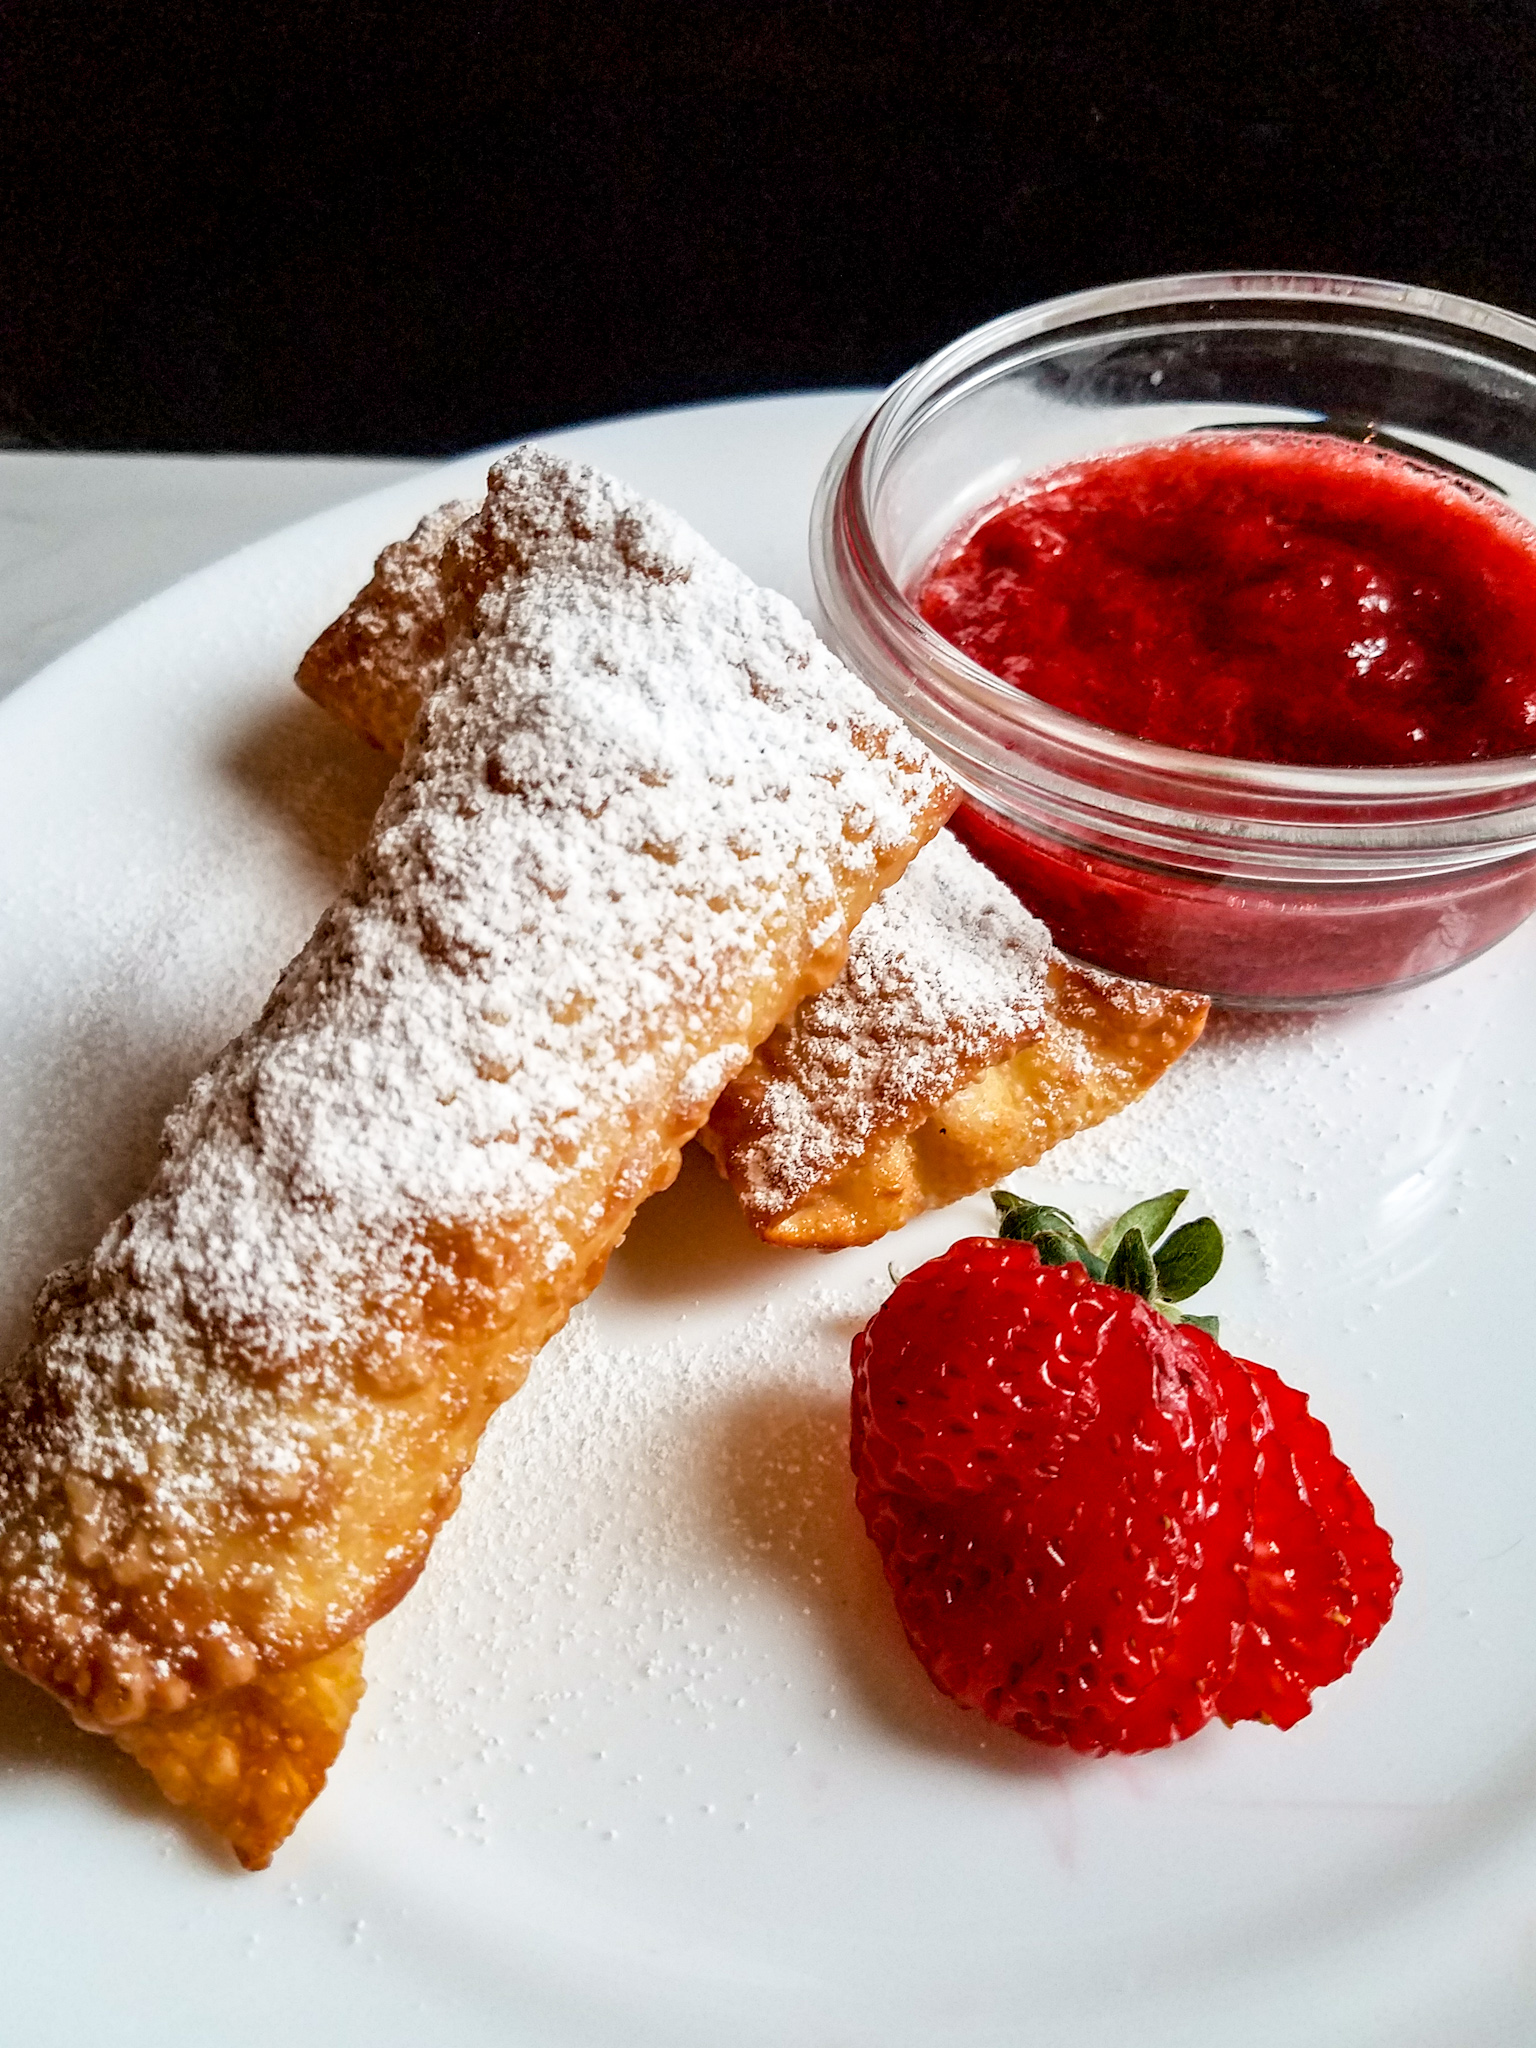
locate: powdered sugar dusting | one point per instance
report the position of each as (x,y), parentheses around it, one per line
(945,974)
(407,583)
(641,780)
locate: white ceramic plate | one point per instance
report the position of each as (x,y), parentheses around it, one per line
(644,1760)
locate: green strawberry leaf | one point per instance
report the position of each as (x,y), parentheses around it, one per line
(1057,1220)
(1210,1324)
(1188,1260)
(1025,1220)
(1151,1218)
(1124,1255)
(1061,1248)
(1131,1265)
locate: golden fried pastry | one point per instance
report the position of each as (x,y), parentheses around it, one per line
(374,664)
(249,1762)
(640,814)
(956,1047)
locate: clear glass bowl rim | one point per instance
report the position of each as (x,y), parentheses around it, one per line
(846,496)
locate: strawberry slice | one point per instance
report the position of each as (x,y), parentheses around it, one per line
(1323,1578)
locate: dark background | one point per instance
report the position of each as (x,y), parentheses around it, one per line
(409,229)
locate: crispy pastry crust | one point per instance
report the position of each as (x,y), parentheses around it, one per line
(373,665)
(907,1106)
(640,816)
(250,1762)
(1103,1042)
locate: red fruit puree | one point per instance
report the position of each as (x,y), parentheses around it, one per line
(1273,597)
(1267,597)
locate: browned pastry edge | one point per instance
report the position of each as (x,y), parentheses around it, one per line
(372,665)
(1104,1043)
(251,1762)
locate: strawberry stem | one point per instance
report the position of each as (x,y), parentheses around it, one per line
(1127,1253)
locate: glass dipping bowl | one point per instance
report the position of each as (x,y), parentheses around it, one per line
(1265,885)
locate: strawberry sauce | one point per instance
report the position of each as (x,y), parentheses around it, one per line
(1270,597)
(1274,597)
